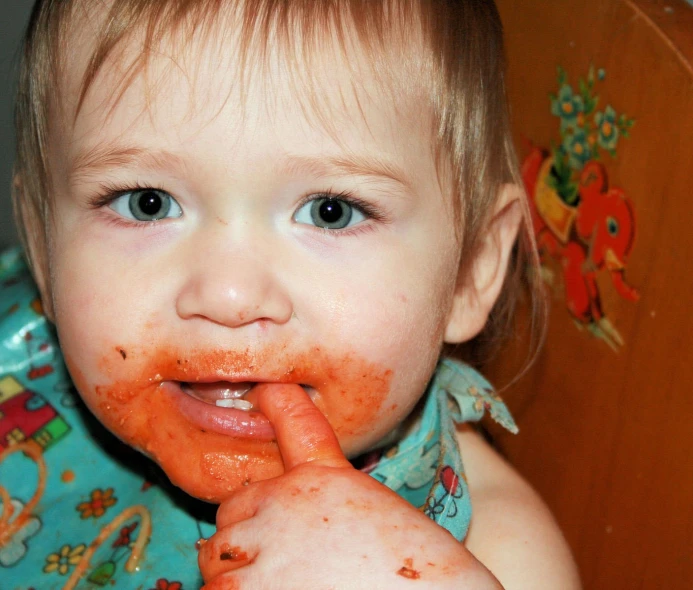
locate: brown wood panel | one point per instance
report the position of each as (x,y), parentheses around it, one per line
(606,434)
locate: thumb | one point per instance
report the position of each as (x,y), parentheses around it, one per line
(303,433)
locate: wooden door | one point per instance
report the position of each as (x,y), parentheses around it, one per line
(605,88)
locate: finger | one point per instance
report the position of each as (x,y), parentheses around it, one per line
(241,506)
(231,581)
(225,551)
(241,579)
(303,433)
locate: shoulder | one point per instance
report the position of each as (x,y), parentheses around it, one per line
(512,531)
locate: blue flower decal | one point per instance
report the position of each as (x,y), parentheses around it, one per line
(578,148)
(608,128)
(567,106)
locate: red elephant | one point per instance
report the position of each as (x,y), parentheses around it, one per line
(597,233)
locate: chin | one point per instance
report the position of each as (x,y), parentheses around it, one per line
(215,475)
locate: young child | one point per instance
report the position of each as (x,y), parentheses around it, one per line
(255,224)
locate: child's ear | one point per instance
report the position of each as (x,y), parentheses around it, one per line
(477,291)
(36,247)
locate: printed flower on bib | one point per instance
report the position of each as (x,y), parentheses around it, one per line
(98,504)
(62,561)
(163,584)
(123,539)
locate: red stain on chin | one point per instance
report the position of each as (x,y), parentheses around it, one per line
(209,465)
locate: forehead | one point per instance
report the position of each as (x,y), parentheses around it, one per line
(328,72)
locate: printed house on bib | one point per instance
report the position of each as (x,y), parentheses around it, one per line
(26,416)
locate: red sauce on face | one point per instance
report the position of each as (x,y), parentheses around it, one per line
(138,409)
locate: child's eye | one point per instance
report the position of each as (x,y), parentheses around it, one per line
(146,205)
(329,213)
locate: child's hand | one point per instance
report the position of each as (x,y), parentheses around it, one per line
(323,524)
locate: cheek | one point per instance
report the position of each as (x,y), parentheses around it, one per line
(402,329)
(354,396)
(206,465)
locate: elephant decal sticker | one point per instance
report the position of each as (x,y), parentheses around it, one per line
(580,221)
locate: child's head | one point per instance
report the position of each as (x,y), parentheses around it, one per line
(217,193)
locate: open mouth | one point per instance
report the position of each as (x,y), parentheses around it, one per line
(230,408)
(225,394)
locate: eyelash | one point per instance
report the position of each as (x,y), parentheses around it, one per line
(108,192)
(367,209)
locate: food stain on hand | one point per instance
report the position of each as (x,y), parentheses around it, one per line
(229,553)
(408,571)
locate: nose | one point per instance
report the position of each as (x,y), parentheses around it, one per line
(234,286)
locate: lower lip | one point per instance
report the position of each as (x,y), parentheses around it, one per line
(227,421)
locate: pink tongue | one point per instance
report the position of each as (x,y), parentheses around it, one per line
(211,392)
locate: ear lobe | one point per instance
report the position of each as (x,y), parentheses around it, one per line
(34,234)
(477,292)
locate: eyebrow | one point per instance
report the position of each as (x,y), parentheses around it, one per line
(352,164)
(105,156)
(102,157)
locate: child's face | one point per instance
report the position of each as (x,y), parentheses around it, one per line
(237,283)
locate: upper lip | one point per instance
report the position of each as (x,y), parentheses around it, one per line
(184,376)
(193,379)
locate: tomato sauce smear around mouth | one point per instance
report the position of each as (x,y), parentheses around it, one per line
(211,451)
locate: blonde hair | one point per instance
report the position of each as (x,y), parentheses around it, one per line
(461,67)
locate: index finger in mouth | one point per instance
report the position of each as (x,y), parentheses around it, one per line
(302,431)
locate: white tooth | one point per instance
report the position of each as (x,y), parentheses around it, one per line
(235,393)
(225,403)
(242,404)
(238,404)
(227,394)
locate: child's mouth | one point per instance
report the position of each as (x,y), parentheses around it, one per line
(226,394)
(225,407)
